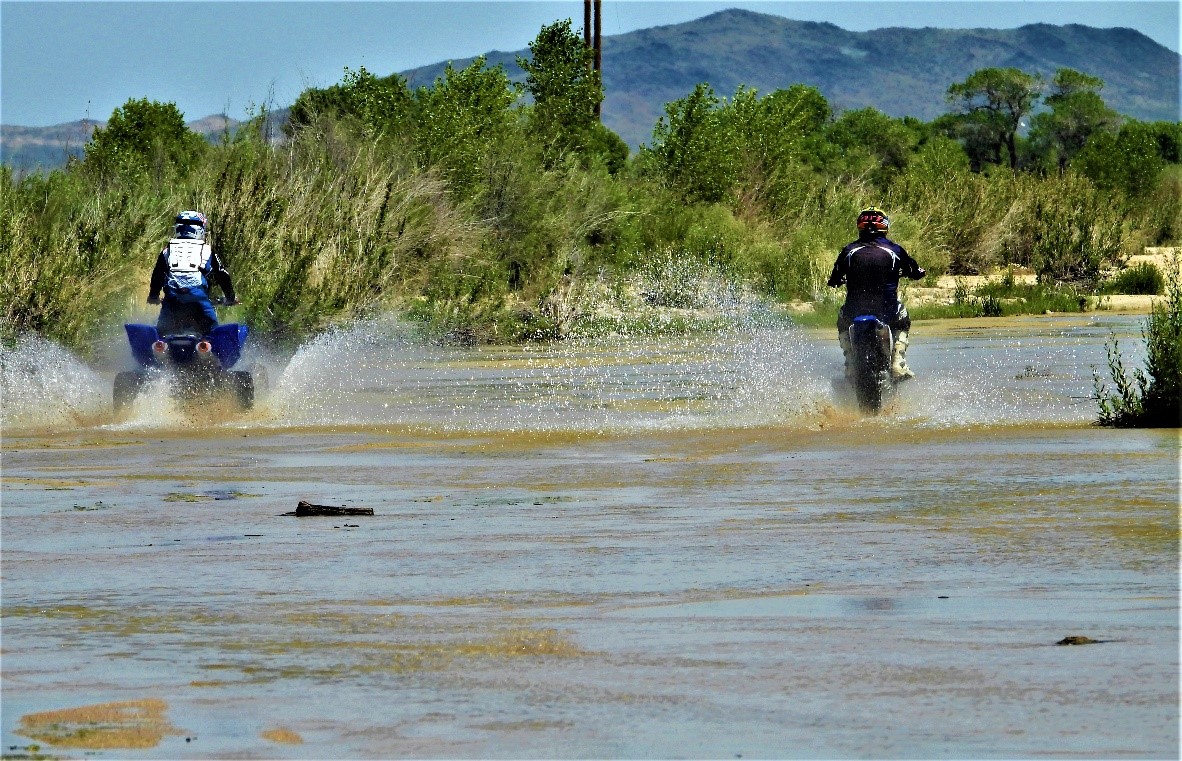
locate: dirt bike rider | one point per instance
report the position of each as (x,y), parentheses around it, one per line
(183,270)
(871,267)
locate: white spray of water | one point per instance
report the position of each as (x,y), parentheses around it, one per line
(379,372)
(44,386)
(154,408)
(1014,380)
(762,371)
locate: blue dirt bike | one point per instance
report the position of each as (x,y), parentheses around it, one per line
(197,366)
(872,344)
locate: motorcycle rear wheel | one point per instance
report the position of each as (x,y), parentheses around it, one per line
(871,388)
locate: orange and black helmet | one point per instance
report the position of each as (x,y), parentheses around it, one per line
(873,220)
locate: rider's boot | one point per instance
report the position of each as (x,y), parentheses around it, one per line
(843,338)
(899,369)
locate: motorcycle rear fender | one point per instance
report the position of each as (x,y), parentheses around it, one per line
(867,328)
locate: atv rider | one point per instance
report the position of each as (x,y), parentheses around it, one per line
(871,267)
(182,270)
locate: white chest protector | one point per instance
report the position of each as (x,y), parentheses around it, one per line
(186,256)
(186,261)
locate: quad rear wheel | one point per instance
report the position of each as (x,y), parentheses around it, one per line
(243,385)
(127,387)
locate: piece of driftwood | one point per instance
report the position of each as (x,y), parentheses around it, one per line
(305,508)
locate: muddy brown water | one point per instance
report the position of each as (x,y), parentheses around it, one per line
(678,547)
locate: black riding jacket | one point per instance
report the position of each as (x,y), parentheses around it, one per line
(214,270)
(871,267)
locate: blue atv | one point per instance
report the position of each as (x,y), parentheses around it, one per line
(198,366)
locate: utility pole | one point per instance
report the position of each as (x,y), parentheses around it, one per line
(598,44)
(594,41)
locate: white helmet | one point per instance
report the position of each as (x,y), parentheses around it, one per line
(191,225)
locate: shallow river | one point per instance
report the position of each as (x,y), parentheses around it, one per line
(677,547)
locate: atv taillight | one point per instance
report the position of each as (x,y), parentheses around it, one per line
(159,347)
(203,347)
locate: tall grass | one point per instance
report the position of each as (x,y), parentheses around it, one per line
(71,252)
(1063,228)
(329,228)
(341,221)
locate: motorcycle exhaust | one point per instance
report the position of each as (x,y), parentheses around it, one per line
(159,348)
(203,349)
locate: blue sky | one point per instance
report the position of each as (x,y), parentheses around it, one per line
(61,61)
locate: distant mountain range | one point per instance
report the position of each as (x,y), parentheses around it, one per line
(49,147)
(902,72)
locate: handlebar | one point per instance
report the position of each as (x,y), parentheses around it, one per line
(220,301)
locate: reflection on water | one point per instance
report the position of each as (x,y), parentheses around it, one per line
(1017,371)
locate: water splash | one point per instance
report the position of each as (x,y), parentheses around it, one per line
(43,385)
(379,372)
(760,371)
(1037,375)
(155,407)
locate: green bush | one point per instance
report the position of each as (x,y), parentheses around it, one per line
(1129,162)
(1141,279)
(1065,229)
(144,137)
(1150,398)
(73,254)
(311,241)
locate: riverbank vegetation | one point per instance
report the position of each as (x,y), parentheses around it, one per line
(487,210)
(1149,397)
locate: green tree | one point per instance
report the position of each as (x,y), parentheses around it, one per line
(993,102)
(144,136)
(690,153)
(1129,161)
(1169,140)
(1077,112)
(704,147)
(461,117)
(383,105)
(771,141)
(770,130)
(869,140)
(564,87)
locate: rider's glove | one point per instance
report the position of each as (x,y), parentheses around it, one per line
(153,299)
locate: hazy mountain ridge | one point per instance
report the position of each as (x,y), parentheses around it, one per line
(900,71)
(28,147)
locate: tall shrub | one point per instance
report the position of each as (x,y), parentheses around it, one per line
(1150,398)
(144,137)
(70,252)
(1064,228)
